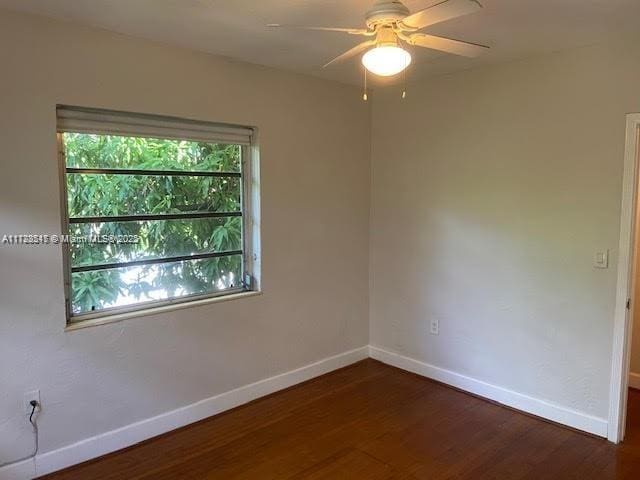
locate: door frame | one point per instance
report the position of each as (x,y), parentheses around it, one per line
(623,316)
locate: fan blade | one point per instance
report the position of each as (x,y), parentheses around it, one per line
(457,47)
(352,52)
(440,12)
(352,31)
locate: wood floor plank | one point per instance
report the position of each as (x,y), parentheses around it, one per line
(372,421)
(347,465)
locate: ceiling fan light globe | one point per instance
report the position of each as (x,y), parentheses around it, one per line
(386,60)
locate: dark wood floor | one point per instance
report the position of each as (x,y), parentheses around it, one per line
(372,421)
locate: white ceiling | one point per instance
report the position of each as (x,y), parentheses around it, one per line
(236,28)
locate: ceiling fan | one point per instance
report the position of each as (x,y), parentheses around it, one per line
(390,23)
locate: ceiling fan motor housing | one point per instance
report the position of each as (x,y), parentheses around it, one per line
(386,12)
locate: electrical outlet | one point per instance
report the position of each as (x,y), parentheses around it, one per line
(435,326)
(28,396)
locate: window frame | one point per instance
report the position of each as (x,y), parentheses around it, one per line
(249,208)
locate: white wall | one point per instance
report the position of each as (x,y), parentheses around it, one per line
(315,202)
(492,189)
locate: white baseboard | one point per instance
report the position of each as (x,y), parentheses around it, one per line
(108,442)
(634,380)
(541,408)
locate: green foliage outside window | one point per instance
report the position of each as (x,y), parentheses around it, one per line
(100,194)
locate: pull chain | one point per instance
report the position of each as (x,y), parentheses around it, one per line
(365,97)
(404,80)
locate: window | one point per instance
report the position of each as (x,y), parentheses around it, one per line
(157,211)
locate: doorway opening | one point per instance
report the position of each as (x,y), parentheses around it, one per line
(624,400)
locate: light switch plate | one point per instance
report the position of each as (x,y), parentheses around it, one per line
(601,259)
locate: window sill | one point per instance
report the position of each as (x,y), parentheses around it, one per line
(118,317)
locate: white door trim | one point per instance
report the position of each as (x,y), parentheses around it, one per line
(623,318)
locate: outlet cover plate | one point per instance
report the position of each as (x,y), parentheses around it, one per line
(435,326)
